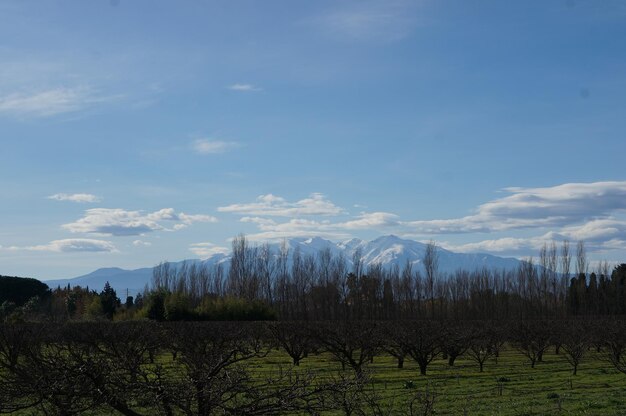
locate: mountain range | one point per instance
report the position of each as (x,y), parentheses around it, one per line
(386,250)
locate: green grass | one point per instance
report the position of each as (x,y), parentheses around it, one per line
(510,387)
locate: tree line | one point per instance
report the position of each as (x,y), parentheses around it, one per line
(260,284)
(141,368)
(328,287)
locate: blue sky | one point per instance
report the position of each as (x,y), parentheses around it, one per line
(133,132)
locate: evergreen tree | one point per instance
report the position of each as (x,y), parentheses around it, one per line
(156,306)
(618,278)
(109,300)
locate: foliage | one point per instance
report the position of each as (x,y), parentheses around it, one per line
(19,290)
(109,301)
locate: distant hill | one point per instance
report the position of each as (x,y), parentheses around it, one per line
(121,280)
(387,250)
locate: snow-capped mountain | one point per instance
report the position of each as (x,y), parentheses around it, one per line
(391,250)
(387,251)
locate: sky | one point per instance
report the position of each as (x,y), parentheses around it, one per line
(135,132)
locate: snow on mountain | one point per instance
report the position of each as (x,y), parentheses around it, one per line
(387,250)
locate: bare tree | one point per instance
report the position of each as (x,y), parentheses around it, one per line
(531,338)
(431,267)
(543,278)
(353,344)
(615,340)
(581,259)
(552,276)
(480,350)
(357,262)
(267,269)
(575,341)
(294,338)
(566,259)
(455,341)
(421,340)
(393,341)
(239,266)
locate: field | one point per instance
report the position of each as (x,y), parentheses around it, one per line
(510,387)
(235,368)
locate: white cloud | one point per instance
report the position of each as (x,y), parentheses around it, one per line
(280,235)
(209,146)
(244,87)
(189,219)
(598,235)
(272,205)
(205,250)
(120,222)
(535,208)
(297,227)
(593,212)
(49,102)
(140,243)
(72,245)
(606,233)
(499,245)
(369,220)
(82,198)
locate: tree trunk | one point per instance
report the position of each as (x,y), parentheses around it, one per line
(451,359)
(423,366)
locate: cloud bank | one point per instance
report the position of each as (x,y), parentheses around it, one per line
(72,245)
(120,222)
(534,208)
(272,205)
(592,212)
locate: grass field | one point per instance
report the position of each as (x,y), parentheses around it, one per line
(508,387)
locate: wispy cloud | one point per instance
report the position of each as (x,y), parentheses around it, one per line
(50,102)
(81,198)
(120,222)
(370,220)
(298,227)
(272,205)
(244,88)
(210,146)
(71,245)
(598,235)
(371,20)
(509,245)
(534,208)
(141,243)
(205,250)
